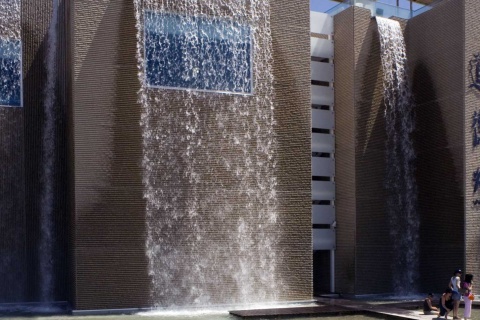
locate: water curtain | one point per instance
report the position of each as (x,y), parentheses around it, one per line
(47,238)
(209,151)
(400,156)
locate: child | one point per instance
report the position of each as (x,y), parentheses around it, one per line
(467,286)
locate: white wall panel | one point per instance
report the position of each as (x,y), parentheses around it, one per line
(323,142)
(323,119)
(321,48)
(323,239)
(322,71)
(323,167)
(322,95)
(323,190)
(321,23)
(323,214)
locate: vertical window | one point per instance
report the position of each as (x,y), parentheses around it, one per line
(10,72)
(197,53)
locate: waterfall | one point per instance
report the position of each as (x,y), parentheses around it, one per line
(46,247)
(209,155)
(400,156)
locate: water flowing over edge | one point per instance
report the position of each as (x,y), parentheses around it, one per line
(46,250)
(404,221)
(184,147)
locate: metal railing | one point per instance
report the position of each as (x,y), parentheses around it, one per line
(378,9)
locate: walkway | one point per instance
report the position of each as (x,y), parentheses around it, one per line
(337,306)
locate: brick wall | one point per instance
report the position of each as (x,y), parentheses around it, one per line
(373,243)
(345,178)
(363,243)
(435,52)
(12,211)
(20,186)
(110,267)
(109,245)
(435,45)
(472,154)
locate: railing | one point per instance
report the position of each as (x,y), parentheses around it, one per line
(378,9)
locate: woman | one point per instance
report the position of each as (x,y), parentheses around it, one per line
(454,284)
(467,286)
(445,303)
(427,305)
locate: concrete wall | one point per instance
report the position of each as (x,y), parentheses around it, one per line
(110,266)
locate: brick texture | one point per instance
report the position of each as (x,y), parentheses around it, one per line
(435,44)
(110,265)
(345,200)
(22,166)
(363,244)
(472,154)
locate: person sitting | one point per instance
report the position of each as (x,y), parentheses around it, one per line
(446,303)
(428,308)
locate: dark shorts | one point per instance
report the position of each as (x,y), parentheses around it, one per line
(442,310)
(456,296)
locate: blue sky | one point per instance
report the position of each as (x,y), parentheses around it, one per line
(324,5)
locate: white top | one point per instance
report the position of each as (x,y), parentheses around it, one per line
(455,281)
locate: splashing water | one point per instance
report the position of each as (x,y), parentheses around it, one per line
(209,157)
(46,254)
(400,181)
(10,25)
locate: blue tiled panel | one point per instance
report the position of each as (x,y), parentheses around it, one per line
(197,53)
(10,73)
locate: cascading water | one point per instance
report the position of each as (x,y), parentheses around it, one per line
(46,247)
(209,157)
(12,216)
(400,156)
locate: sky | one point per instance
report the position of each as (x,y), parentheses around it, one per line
(324,5)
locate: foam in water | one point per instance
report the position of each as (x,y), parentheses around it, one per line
(46,248)
(400,181)
(209,164)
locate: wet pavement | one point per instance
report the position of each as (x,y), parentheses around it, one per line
(323,308)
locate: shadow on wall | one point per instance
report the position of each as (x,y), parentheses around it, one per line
(20,278)
(370,158)
(440,199)
(33,93)
(110,209)
(12,216)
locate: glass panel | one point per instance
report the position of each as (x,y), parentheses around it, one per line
(197,53)
(386,11)
(10,72)
(322,5)
(377,8)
